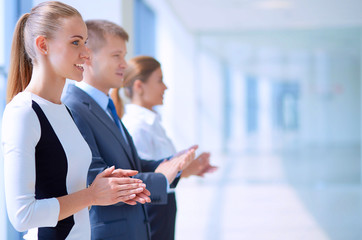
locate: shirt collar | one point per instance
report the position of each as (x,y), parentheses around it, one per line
(98,96)
(149,116)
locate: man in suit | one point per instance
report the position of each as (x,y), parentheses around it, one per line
(111,145)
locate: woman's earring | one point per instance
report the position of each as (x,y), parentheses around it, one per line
(45,52)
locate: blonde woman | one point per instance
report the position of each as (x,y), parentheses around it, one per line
(46,159)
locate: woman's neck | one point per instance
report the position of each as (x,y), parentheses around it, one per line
(141,103)
(46,85)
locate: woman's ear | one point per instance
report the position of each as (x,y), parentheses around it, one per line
(41,45)
(138,87)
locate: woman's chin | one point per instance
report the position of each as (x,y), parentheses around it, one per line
(76,78)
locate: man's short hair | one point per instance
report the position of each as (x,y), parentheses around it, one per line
(97,31)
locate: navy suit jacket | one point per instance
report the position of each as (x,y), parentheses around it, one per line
(119,221)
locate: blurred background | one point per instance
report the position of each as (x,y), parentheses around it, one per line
(272,88)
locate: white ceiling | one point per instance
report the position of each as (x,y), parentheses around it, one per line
(201,16)
(228,27)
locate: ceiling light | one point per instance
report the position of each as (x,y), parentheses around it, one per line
(274,4)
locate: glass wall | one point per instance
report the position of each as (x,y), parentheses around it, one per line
(295,116)
(10,12)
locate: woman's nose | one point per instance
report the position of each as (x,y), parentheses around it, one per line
(85,53)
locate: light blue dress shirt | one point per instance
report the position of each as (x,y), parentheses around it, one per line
(102,99)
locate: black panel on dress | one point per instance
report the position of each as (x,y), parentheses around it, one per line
(51,174)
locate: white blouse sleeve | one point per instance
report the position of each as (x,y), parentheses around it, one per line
(20,135)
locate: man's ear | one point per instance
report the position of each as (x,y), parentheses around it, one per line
(41,44)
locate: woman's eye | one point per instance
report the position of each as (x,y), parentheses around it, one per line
(75,43)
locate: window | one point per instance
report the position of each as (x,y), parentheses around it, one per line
(252,104)
(144,29)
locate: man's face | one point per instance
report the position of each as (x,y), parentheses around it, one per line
(108,64)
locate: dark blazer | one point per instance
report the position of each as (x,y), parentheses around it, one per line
(163,219)
(120,221)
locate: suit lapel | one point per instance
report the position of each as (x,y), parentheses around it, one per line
(103,117)
(132,147)
(96,110)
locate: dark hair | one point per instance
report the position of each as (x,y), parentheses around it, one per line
(98,29)
(43,20)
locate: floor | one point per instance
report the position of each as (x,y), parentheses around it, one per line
(310,193)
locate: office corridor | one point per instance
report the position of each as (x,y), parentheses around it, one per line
(310,193)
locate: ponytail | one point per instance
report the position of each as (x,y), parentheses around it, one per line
(21,66)
(117,100)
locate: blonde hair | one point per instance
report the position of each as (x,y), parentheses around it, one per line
(139,68)
(43,20)
(98,29)
(97,32)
